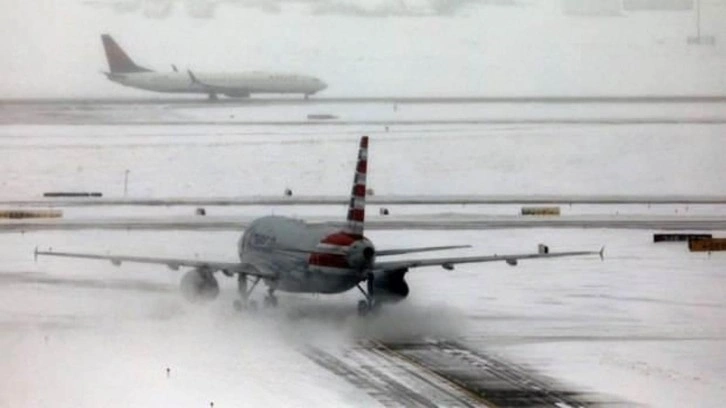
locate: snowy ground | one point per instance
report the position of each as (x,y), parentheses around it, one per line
(646,325)
(169,154)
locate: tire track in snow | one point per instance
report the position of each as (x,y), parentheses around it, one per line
(441,373)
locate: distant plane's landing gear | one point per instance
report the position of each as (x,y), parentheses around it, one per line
(243,303)
(306,96)
(213,97)
(369,305)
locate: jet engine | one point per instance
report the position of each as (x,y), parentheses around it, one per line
(237,94)
(199,285)
(361,254)
(390,286)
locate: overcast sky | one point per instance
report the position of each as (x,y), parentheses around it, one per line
(51,48)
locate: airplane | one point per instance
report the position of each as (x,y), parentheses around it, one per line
(123,70)
(290,255)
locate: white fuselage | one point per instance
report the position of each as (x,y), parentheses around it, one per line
(294,270)
(230,84)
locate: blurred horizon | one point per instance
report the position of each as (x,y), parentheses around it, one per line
(415,48)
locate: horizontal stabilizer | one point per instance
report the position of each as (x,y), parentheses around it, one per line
(385,252)
(402,251)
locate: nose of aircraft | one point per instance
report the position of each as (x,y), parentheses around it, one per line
(321,85)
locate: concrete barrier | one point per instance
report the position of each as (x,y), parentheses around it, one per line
(21,214)
(707,245)
(671,237)
(72,194)
(540,210)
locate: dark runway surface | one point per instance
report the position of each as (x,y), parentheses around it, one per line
(434,222)
(374,200)
(153,100)
(444,373)
(603,110)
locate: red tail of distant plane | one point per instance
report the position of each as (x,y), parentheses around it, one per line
(118,61)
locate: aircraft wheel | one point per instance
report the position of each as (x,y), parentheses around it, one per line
(238,305)
(270,301)
(252,305)
(375,308)
(363,308)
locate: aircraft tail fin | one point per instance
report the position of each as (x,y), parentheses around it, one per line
(357,206)
(118,61)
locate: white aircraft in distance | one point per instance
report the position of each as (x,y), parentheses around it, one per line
(124,71)
(292,256)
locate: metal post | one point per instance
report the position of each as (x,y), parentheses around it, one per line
(698,20)
(126,182)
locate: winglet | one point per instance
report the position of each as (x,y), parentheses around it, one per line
(602,253)
(193,77)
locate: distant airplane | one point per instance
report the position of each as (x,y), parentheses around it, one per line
(124,71)
(292,256)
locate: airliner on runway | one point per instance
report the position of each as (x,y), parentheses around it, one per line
(292,256)
(124,71)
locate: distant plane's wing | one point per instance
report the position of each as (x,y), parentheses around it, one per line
(448,263)
(172,263)
(209,87)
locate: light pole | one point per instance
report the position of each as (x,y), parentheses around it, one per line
(698,19)
(126,182)
(700,39)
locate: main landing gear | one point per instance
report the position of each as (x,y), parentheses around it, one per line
(270,299)
(244,302)
(369,304)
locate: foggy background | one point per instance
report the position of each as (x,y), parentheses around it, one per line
(647,325)
(51,48)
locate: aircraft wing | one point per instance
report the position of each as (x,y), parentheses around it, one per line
(210,87)
(448,263)
(171,263)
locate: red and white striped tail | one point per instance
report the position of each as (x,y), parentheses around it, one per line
(357,206)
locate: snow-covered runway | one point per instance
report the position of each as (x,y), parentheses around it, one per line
(644,326)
